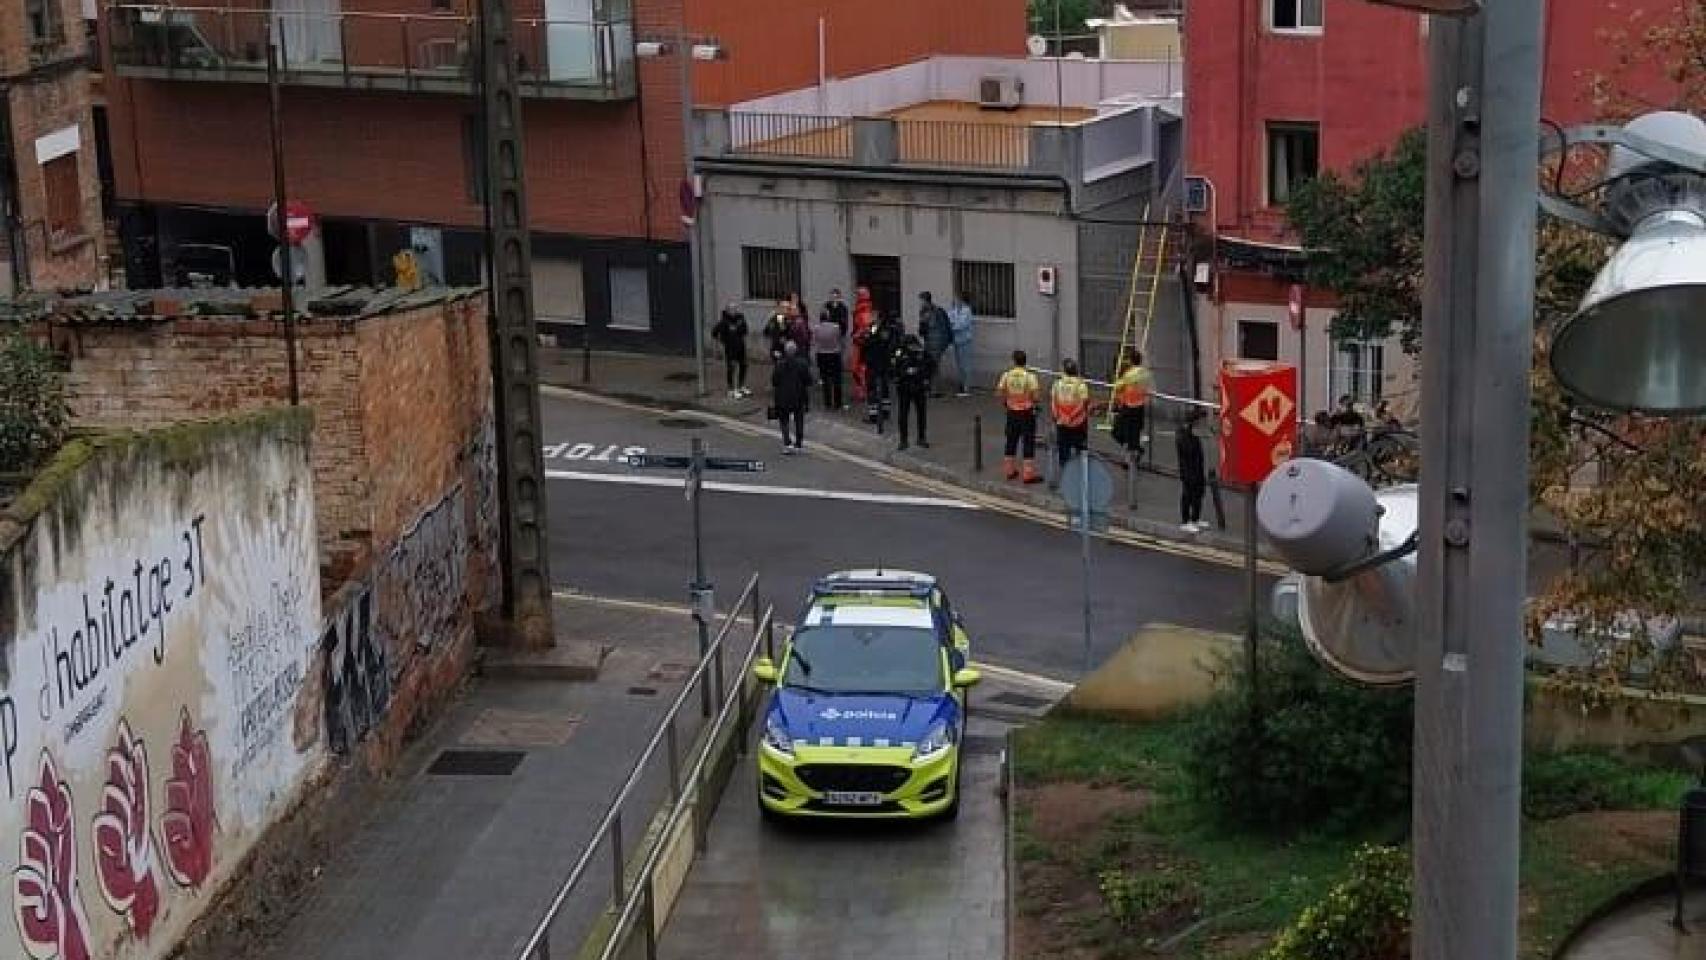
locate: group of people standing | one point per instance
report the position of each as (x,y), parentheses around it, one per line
(877,351)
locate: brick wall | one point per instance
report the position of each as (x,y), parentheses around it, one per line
(42,98)
(402,459)
(397,397)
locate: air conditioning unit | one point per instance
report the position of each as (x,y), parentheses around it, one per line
(1000,92)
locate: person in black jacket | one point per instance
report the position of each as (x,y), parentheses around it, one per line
(730,332)
(837,309)
(791,383)
(880,347)
(1192,475)
(913,369)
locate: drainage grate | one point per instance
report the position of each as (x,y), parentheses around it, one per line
(982,746)
(476,763)
(1021,700)
(642,691)
(680,376)
(683,423)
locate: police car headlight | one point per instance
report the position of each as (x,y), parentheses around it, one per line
(935,743)
(777,738)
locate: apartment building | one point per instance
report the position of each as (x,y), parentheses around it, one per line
(50,188)
(1279,90)
(382,132)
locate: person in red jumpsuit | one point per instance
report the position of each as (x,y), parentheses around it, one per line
(862,316)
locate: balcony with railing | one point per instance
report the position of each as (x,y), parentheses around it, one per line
(420,52)
(1078,146)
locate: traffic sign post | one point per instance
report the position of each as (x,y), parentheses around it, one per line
(1087,488)
(1258,431)
(700,593)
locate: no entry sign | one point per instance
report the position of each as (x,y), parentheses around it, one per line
(298,222)
(1258,418)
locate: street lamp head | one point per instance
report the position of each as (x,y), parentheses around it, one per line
(1638,342)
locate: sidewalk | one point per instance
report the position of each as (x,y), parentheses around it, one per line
(1152,507)
(459,864)
(1643,931)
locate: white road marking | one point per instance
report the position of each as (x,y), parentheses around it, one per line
(993,504)
(722,486)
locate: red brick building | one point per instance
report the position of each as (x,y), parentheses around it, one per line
(381,126)
(50,189)
(1279,89)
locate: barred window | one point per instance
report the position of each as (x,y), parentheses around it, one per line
(64,196)
(987,287)
(771,273)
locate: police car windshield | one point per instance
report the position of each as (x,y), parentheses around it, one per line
(866,659)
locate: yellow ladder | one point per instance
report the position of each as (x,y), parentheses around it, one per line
(1145,287)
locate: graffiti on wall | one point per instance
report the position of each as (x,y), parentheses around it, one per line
(420,583)
(487,509)
(357,682)
(146,697)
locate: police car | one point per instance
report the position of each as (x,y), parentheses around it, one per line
(869,705)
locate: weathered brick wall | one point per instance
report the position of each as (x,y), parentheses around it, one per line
(160,370)
(404,473)
(42,98)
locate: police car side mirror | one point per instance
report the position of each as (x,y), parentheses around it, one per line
(967,677)
(763,670)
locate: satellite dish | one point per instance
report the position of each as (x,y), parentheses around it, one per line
(1322,519)
(1037,44)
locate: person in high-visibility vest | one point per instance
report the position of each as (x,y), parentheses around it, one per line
(1020,392)
(1131,403)
(1069,404)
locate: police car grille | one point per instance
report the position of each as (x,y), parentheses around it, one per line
(853,777)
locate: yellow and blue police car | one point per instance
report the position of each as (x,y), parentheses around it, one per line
(869,705)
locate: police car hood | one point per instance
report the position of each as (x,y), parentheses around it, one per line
(846,719)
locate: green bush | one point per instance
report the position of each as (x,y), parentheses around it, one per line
(1559,784)
(1130,897)
(33,415)
(1366,916)
(1326,753)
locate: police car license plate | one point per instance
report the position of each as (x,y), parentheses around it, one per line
(851,798)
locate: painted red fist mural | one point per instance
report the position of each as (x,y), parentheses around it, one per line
(46,900)
(124,848)
(188,824)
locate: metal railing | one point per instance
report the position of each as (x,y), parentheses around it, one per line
(632,887)
(409,51)
(792,135)
(959,143)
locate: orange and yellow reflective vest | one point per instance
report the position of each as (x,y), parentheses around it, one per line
(1019,390)
(1070,402)
(1132,387)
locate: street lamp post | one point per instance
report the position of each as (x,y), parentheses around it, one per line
(1637,343)
(1477,345)
(687,49)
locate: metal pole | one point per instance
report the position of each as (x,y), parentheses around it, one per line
(684,52)
(1084,539)
(287,255)
(977,443)
(700,590)
(1478,310)
(1253,613)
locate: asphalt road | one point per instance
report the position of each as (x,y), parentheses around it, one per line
(851,891)
(620,532)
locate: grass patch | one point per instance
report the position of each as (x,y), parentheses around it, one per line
(1115,858)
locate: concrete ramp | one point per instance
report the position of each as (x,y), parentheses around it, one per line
(1159,670)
